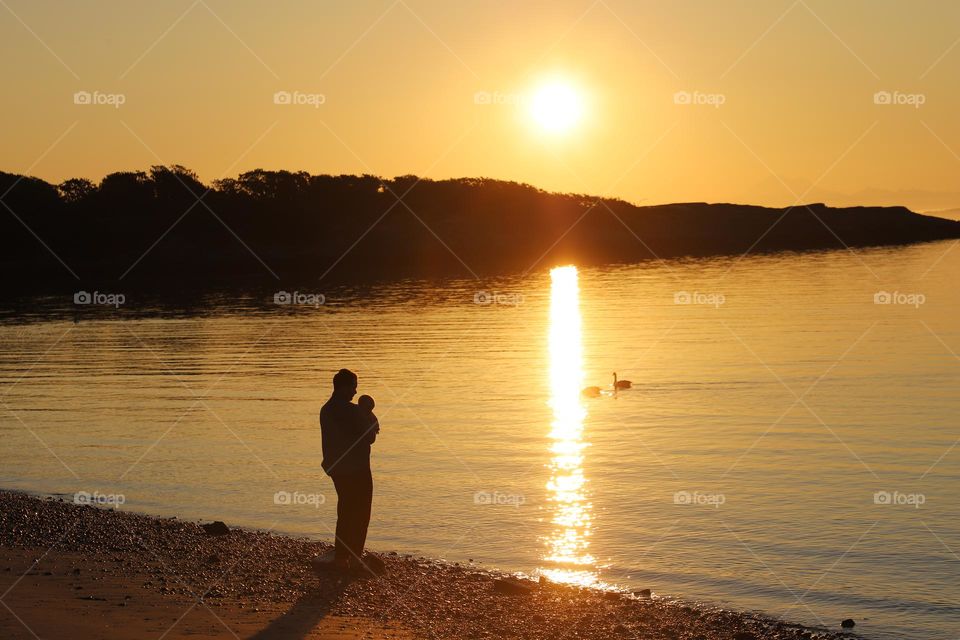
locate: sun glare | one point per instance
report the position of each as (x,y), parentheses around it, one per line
(556,107)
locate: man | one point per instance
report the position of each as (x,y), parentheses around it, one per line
(346,440)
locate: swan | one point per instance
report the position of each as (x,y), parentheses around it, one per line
(620,384)
(596,392)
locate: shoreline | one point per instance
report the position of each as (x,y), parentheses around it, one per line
(100,573)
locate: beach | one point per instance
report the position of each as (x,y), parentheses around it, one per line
(87,572)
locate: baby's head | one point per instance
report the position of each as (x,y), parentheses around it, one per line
(366,403)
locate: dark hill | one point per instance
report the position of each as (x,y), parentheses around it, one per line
(163,229)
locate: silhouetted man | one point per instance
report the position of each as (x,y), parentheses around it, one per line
(347,437)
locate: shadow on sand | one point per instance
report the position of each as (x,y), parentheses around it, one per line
(307,612)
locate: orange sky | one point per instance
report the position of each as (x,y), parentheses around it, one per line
(389,87)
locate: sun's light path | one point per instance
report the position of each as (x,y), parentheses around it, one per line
(567,557)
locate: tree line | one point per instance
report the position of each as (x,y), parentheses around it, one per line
(164,228)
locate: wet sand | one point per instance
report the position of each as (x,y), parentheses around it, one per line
(69,571)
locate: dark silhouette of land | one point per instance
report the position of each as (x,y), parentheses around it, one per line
(164,229)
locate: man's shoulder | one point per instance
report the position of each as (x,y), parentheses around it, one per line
(338,410)
(327,410)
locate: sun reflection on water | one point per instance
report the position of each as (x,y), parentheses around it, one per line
(567,558)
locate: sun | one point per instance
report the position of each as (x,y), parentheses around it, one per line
(556,107)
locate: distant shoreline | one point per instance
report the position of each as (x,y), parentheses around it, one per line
(138,573)
(163,231)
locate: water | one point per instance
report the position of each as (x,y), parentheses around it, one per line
(742,469)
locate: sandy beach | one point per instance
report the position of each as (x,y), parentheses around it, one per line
(87,573)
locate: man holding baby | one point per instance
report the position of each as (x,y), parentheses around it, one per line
(347,431)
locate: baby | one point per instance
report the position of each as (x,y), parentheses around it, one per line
(366,404)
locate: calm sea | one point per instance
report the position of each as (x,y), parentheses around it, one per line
(789,443)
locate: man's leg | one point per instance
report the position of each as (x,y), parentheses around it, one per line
(341,545)
(364,498)
(354,525)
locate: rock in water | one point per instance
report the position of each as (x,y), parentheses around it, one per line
(216,528)
(642,593)
(513,586)
(849,623)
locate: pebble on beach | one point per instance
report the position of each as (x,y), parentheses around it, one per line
(216,528)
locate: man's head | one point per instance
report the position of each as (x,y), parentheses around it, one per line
(345,383)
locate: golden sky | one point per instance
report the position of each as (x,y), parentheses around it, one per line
(764,101)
